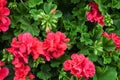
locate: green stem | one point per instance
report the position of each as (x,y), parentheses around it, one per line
(24,4)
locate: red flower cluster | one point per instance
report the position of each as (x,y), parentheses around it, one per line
(94,15)
(24,45)
(80,66)
(21,48)
(22,72)
(4,71)
(54,45)
(4,12)
(114,37)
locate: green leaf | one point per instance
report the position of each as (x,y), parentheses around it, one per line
(95,77)
(26,26)
(33,3)
(79,11)
(107,60)
(55,63)
(117,24)
(116,4)
(106,73)
(97,32)
(93,57)
(44,74)
(108,44)
(34,30)
(49,6)
(85,50)
(115,55)
(85,37)
(102,7)
(58,14)
(63,75)
(36,14)
(82,28)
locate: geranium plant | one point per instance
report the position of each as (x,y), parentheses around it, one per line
(59,40)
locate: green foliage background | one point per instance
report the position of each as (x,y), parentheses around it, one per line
(35,16)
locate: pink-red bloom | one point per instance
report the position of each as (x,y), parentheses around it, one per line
(94,15)
(31,76)
(67,65)
(21,72)
(21,47)
(25,45)
(114,37)
(89,69)
(3,3)
(54,45)
(80,66)
(4,71)
(4,13)
(37,48)
(2,63)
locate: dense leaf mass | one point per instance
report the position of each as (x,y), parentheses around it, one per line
(59,40)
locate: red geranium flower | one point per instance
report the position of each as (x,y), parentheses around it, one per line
(37,48)
(21,47)
(94,15)
(31,76)
(17,62)
(4,71)
(2,63)
(3,3)
(54,45)
(114,37)
(4,13)
(19,50)
(89,69)
(67,65)
(25,45)
(21,72)
(80,66)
